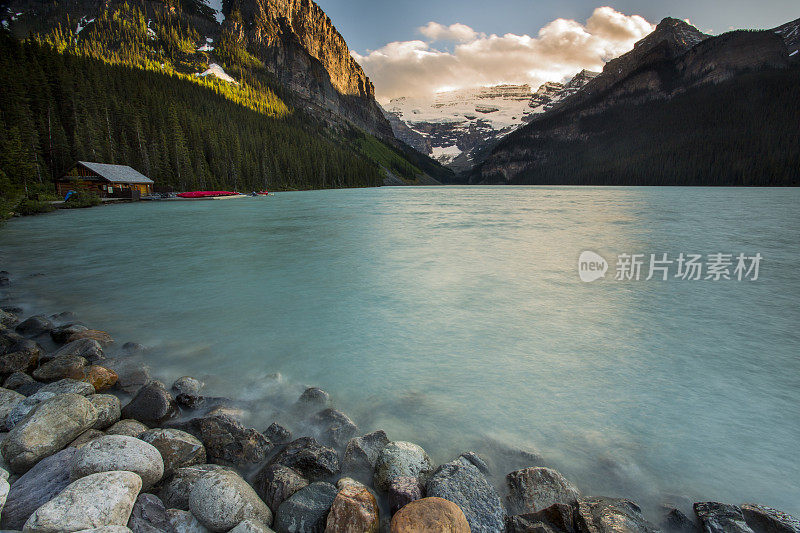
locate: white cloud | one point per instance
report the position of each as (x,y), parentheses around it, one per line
(559,50)
(455,32)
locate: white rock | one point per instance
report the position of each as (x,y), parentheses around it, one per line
(119,452)
(104,499)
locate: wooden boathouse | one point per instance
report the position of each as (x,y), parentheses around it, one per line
(107,181)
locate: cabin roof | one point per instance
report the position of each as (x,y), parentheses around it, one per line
(116,173)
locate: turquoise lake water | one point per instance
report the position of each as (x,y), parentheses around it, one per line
(455,318)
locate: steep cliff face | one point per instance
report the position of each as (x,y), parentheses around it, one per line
(674,60)
(299,44)
(294,39)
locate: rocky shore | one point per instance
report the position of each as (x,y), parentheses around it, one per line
(91,442)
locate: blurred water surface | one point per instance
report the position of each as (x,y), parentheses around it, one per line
(454,317)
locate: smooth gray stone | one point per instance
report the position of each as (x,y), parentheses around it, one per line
(36,487)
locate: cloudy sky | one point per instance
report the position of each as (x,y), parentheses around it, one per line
(416,47)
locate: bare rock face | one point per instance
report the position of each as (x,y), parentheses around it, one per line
(300,45)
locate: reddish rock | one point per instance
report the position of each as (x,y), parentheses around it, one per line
(354,510)
(430,515)
(100,377)
(100,336)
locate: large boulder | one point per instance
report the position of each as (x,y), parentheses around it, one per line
(768,520)
(36,487)
(103,499)
(21,356)
(533,489)
(175,492)
(152,405)
(718,517)
(34,326)
(402,491)
(306,511)
(49,428)
(398,459)
(60,334)
(100,377)
(463,484)
(181,521)
(430,515)
(89,349)
(119,452)
(353,510)
(611,515)
(362,453)
(177,448)
(61,367)
(222,499)
(310,458)
(8,401)
(108,409)
(149,515)
(334,427)
(67,385)
(226,440)
(275,483)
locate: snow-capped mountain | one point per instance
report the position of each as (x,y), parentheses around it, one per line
(552,92)
(454,126)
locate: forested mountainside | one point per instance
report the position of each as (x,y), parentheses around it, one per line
(681,108)
(140,84)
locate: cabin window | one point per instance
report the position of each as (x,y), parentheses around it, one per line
(111,190)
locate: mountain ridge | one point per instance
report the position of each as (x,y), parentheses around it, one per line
(672,61)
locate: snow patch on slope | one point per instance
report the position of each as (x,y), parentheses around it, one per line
(216,70)
(445,154)
(216,5)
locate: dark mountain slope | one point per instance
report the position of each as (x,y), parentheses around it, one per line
(680,108)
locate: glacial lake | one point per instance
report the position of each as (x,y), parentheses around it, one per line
(455,318)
